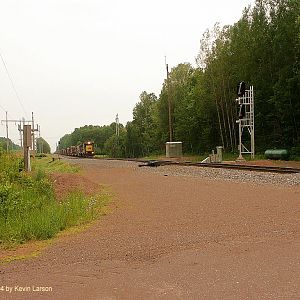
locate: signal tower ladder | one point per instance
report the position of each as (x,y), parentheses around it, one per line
(246,122)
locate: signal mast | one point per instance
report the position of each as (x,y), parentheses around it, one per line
(245,101)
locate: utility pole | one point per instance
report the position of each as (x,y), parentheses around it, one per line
(20,131)
(38,144)
(6,124)
(41,144)
(20,122)
(117,135)
(33,136)
(169,102)
(117,125)
(27,142)
(6,121)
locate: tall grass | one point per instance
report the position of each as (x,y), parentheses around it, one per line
(45,220)
(29,209)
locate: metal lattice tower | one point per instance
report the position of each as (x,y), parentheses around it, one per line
(246,123)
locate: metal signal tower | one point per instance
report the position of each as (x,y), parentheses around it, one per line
(246,120)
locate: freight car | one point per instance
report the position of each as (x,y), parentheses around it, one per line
(86,149)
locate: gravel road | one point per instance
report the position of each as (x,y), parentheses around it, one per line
(175,233)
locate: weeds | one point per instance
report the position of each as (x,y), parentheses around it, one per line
(29,209)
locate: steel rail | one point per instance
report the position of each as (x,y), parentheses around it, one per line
(156,163)
(258,168)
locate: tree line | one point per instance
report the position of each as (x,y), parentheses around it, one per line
(11,145)
(41,145)
(262,49)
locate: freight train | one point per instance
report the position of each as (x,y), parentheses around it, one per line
(86,149)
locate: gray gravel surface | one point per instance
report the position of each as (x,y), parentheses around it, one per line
(250,177)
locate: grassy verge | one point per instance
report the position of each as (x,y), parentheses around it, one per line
(51,164)
(29,209)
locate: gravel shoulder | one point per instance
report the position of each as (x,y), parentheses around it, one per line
(187,235)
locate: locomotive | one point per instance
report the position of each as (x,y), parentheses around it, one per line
(86,149)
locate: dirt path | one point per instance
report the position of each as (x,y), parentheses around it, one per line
(172,237)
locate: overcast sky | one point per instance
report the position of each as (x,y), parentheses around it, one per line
(80,62)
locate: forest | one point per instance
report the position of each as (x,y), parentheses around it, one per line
(261,49)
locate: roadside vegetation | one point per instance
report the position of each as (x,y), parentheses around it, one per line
(28,207)
(52,164)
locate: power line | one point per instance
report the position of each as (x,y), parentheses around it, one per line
(12,84)
(6,111)
(2,108)
(20,129)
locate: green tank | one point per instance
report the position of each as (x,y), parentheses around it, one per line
(282,154)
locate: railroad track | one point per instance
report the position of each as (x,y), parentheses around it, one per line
(156,163)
